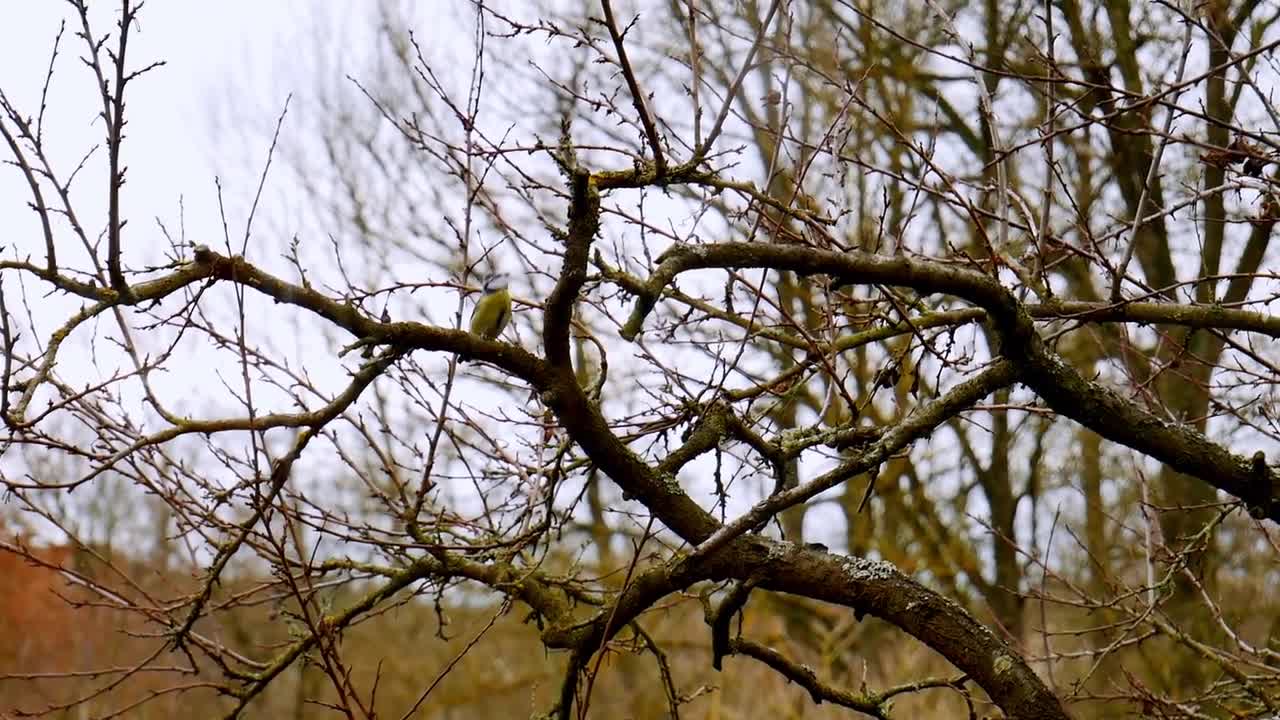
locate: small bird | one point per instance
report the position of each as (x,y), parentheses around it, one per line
(493,311)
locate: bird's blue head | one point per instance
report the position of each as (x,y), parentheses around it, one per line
(494,282)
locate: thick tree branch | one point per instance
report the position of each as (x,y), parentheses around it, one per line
(584,223)
(1060,386)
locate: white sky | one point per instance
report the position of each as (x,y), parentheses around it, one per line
(171,149)
(204,115)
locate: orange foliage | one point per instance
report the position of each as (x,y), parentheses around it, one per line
(42,627)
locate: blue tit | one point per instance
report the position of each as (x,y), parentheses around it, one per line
(493,311)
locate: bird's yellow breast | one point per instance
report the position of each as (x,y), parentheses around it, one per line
(492,314)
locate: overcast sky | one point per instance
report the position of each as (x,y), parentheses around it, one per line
(211,51)
(205,115)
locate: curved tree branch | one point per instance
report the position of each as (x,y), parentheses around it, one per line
(1060,386)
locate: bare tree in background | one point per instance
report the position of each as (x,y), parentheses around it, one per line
(955,318)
